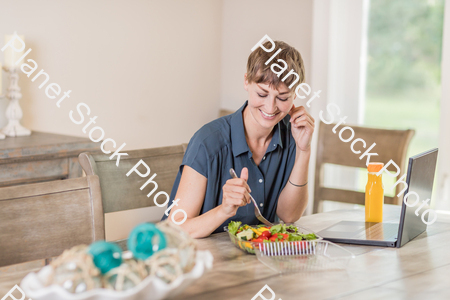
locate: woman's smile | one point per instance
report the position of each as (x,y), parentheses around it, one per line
(268,116)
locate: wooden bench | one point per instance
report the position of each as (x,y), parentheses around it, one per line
(41,220)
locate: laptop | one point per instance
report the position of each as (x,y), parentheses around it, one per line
(420,177)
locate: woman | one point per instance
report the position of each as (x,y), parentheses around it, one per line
(267,141)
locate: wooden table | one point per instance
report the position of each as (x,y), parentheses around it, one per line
(41,157)
(418,270)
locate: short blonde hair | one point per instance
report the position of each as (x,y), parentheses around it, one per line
(259,72)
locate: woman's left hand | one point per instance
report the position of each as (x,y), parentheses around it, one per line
(302,127)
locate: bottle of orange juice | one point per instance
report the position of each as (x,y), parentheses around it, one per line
(374,194)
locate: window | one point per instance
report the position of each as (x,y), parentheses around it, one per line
(404,67)
(399,74)
(380,62)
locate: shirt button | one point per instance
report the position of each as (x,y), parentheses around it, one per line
(261,204)
(264,158)
(260,181)
(274,145)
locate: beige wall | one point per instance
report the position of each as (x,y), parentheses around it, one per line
(152,71)
(244,23)
(148,69)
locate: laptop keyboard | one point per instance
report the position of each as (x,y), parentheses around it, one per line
(378,232)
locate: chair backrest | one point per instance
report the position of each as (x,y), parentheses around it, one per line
(120,192)
(390,144)
(225,112)
(41,220)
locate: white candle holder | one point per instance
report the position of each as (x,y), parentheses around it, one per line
(14,112)
(2,136)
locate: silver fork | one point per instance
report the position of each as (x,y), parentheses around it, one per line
(257,212)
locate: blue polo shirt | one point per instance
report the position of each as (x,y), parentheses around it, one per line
(221,145)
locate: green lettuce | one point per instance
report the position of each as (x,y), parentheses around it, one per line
(301,237)
(293,228)
(233,227)
(280,228)
(295,237)
(310,236)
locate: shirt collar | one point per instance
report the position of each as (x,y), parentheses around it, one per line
(238,141)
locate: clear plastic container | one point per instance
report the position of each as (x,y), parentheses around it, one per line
(250,247)
(284,257)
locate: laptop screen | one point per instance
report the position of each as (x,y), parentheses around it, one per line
(420,178)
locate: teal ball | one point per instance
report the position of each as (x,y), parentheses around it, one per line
(146,239)
(106,256)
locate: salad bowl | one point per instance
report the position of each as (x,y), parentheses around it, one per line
(298,236)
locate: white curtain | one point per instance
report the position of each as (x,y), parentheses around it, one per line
(338,70)
(443,192)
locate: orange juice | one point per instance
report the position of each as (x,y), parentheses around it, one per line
(374,194)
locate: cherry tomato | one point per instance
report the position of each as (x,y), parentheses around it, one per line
(279,237)
(258,240)
(266,234)
(273,238)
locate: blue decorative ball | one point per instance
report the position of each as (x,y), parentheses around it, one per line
(106,256)
(146,239)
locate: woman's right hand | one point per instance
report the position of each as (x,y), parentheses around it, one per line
(236,193)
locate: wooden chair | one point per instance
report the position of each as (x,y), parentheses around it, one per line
(225,112)
(390,144)
(41,220)
(120,192)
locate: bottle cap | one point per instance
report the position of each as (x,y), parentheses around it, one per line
(375,167)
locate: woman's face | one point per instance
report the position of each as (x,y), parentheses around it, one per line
(266,105)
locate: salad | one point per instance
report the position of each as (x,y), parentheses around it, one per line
(265,234)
